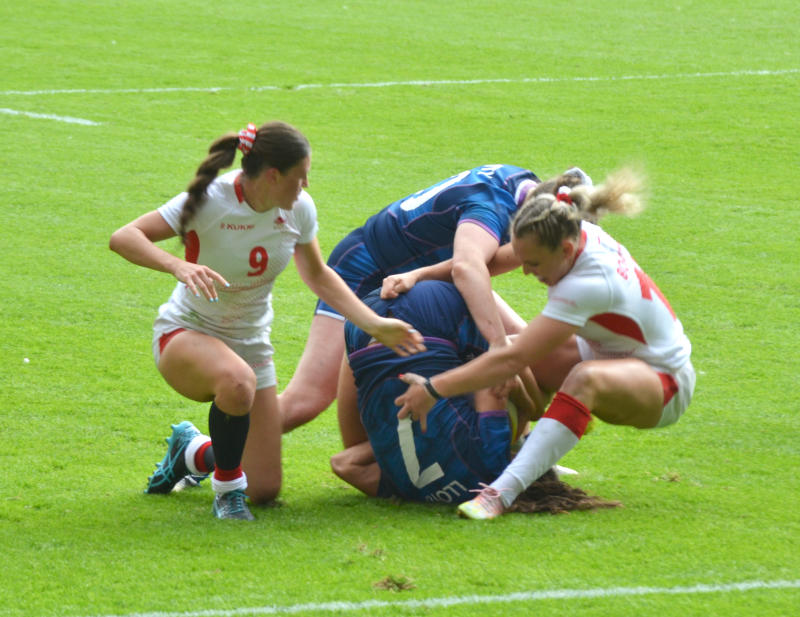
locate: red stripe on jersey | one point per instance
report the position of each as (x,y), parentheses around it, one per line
(570,412)
(237,186)
(192,246)
(581,245)
(669,385)
(649,288)
(619,324)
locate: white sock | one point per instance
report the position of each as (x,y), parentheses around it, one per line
(188,455)
(548,442)
(226,486)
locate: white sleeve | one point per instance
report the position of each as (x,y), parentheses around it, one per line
(306,212)
(171,211)
(577,297)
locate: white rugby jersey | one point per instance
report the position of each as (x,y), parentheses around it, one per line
(246,247)
(618,309)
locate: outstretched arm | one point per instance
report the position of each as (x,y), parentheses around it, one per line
(326,284)
(497,365)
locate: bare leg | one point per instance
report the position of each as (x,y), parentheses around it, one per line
(512,322)
(627,392)
(203,368)
(312,388)
(350,426)
(357,466)
(261,460)
(552,370)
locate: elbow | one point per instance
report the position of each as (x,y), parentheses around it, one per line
(462,270)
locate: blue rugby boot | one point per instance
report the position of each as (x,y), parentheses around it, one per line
(172,467)
(232,505)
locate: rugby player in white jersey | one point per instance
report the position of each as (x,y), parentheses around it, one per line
(634,367)
(211,338)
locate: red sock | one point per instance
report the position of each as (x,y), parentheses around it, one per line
(226,475)
(200,458)
(570,412)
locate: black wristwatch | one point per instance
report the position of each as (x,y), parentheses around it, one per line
(431,390)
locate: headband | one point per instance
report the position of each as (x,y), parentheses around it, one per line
(247,137)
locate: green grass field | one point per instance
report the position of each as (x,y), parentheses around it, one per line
(106,109)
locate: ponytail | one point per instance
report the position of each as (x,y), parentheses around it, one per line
(554,211)
(220,155)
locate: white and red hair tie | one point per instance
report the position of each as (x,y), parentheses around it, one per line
(247,137)
(563,194)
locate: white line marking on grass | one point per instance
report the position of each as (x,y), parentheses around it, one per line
(416,82)
(523,596)
(30,114)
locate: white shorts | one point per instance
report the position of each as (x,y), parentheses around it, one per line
(256,351)
(686,378)
(682,381)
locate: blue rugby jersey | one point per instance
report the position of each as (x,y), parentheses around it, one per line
(419,229)
(461,447)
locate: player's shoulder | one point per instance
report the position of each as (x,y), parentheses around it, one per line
(222,189)
(600,247)
(225,181)
(305,202)
(303,212)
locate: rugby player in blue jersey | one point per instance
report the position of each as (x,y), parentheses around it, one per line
(468,438)
(464,219)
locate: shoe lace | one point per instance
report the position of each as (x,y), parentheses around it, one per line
(488,496)
(178,443)
(235,502)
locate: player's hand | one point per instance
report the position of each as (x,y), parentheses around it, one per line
(200,279)
(415,402)
(502,390)
(396,284)
(399,336)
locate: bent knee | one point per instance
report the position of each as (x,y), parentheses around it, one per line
(303,406)
(339,463)
(263,493)
(582,380)
(309,397)
(236,389)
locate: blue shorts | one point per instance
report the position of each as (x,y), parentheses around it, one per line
(353,262)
